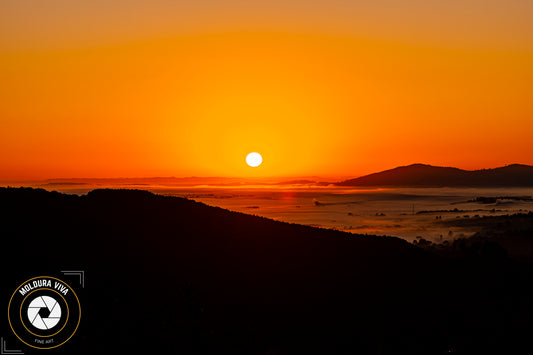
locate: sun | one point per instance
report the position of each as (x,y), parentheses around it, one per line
(254,159)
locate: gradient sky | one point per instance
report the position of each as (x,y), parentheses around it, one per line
(337,88)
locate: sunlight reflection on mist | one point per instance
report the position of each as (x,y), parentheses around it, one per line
(403,212)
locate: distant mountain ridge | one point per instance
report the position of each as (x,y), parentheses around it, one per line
(422,175)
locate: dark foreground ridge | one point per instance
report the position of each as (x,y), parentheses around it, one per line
(169,275)
(421,175)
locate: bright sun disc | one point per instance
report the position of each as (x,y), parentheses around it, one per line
(254,159)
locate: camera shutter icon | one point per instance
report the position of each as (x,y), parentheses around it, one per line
(44,312)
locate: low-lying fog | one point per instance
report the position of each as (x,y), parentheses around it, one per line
(404,212)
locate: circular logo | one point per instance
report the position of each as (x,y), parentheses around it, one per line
(44,312)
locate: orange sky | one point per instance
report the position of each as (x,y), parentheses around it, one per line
(168,88)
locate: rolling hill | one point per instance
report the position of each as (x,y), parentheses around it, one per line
(166,274)
(421,175)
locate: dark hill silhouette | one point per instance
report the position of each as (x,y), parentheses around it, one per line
(169,275)
(421,175)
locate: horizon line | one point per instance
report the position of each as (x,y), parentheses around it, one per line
(333,177)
